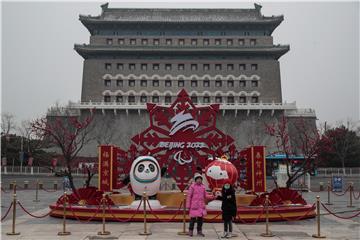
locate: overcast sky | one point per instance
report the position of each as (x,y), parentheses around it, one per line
(321,71)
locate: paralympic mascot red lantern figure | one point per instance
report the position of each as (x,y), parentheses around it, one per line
(219,172)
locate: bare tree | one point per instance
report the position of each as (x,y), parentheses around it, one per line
(7,124)
(68,132)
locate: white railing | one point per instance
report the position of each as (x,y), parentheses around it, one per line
(328,172)
(25,170)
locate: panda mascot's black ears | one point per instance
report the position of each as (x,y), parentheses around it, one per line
(126,180)
(163,171)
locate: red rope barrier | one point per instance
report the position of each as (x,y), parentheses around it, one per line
(256,219)
(341,194)
(49,191)
(164,220)
(7,212)
(32,215)
(87,220)
(356,198)
(334,214)
(126,220)
(292,219)
(3,190)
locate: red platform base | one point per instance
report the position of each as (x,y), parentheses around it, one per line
(244,215)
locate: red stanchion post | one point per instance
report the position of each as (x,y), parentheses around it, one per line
(103,201)
(351,188)
(145,226)
(184,232)
(14,216)
(267,233)
(318,235)
(328,190)
(64,232)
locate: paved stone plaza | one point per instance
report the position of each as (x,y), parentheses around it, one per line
(48,227)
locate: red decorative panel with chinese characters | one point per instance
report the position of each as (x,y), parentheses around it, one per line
(258,169)
(105,168)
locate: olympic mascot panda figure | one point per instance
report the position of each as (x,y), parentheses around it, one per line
(145,176)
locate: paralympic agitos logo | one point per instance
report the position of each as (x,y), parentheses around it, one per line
(182,122)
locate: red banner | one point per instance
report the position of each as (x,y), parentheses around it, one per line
(258,169)
(105,168)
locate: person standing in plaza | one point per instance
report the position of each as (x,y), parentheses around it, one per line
(196,204)
(228,208)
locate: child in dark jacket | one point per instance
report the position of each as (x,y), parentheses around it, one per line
(228,208)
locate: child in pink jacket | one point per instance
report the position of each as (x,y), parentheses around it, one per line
(195,202)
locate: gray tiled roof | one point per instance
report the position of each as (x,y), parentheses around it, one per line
(179,15)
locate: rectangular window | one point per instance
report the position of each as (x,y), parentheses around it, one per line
(132,83)
(241,42)
(254,83)
(252,42)
(167,66)
(109,41)
(230,67)
(132,66)
(181,41)
(217,41)
(218,83)
(143,66)
(206,99)
(119,83)
(242,83)
(230,83)
(155,99)
(206,83)
(133,41)
(193,83)
(119,98)
(218,99)
(242,99)
(255,99)
(254,66)
(108,66)
(168,41)
(131,99)
(218,67)
(194,67)
(181,66)
(143,83)
(193,41)
(156,41)
(155,83)
(181,83)
(167,83)
(167,99)
(155,66)
(206,42)
(121,41)
(144,41)
(206,67)
(242,67)
(230,100)
(143,99)
(107,83)
(120,66)
(194,99)
(229,42)
(107,98)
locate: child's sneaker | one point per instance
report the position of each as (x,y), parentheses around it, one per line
(229,235)
(200,234)
(225,234)
(191,233)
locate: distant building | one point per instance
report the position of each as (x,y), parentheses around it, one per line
(224,56)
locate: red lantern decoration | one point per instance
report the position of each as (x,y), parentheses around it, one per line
(219,172)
